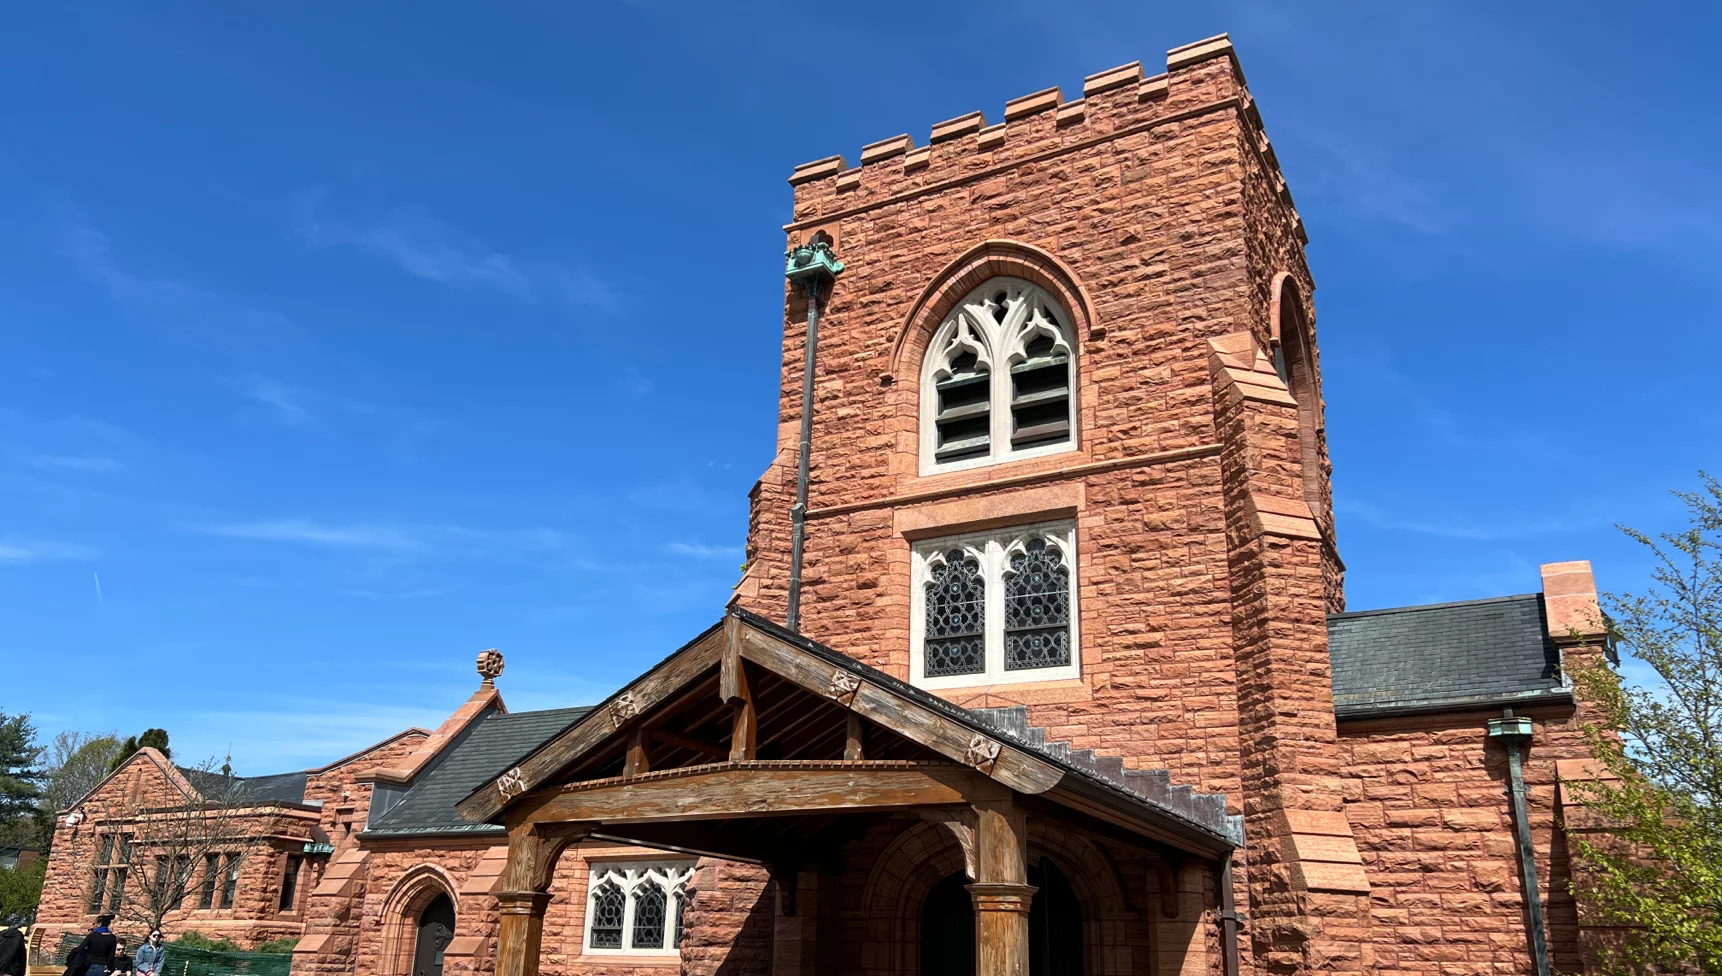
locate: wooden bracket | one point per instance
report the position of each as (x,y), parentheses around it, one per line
(639,761)
(854,739)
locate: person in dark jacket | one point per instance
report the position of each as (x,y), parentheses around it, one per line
(95,955)
(122,960)
(12,951)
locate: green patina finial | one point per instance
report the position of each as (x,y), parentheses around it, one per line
(812,265)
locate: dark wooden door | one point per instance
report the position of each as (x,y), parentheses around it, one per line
(436,928)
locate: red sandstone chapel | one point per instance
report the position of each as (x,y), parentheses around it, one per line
(1041,663)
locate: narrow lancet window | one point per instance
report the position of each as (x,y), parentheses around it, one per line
(956,617)
(1037,608)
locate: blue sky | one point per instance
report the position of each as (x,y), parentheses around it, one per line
(337,344)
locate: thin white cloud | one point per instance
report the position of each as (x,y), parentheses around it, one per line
(382,537)
(423,246)
(286,401)
(178,309)
(700,550)
(31,551)
(52,462)
(313,533)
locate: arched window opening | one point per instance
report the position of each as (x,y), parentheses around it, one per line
(1055,946)
(1054,923)
(998,378)
(948,929)
(1294,360)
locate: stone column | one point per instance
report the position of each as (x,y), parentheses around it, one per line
(1001,891)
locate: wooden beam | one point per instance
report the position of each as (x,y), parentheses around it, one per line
(690,743)
(639,761)
(855,738)
(1166,877)
(644,694)
(757,789)
(1014,767)
(731,681)
(744,728)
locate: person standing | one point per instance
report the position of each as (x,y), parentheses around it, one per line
(12,951)
(150,956)
(95,955)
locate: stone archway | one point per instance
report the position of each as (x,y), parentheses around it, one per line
(423,897)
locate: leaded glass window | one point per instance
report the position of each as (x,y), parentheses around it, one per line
(996,607)
(649,918)
(998,379)
(632,904)
(956,640)
(1037,608)
(609,907)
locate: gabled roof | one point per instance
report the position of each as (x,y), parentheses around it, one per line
(279,787)
(498,741)
(996,745)
(1444,657)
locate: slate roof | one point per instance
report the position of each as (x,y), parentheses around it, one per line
(1443,656)
(499,741)
(279,787)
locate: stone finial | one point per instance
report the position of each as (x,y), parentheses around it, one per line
(489,666)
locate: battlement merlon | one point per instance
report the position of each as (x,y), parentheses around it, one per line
(1201,78)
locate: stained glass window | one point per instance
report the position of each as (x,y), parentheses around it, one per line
(634,903)
(956,617)
(996,607)
(1037,608)
(609,906)
(649,918)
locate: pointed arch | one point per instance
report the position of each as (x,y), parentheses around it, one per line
(1292,338)
(417,888)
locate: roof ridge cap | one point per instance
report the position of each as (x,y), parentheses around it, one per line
(1434,606)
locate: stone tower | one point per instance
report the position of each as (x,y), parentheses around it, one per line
(1068,453)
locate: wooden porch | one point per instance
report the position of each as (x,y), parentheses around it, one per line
(755,745)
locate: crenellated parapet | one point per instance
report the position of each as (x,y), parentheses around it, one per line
(1201,78)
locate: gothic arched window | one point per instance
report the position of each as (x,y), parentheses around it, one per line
(609,906)
(995,607)
(998,379)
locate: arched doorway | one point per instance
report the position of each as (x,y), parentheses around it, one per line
(436,930)
(1054,926)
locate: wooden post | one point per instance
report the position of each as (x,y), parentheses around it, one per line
(638,762)
(532,853)
(1001,891)
(855,739)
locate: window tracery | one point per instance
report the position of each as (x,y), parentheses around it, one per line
(628,907)
(998,377)
(995,607)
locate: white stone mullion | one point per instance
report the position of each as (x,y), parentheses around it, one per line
(993,624)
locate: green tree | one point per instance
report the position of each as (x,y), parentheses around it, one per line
(20,778)
(1657,870)
(21,892)
(152,738)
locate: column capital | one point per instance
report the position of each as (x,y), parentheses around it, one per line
(522,902)
(999,897)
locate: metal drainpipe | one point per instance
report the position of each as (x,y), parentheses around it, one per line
(1514,734)
(813,267)
(1228,921)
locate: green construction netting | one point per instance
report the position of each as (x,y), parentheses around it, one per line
(186,961)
